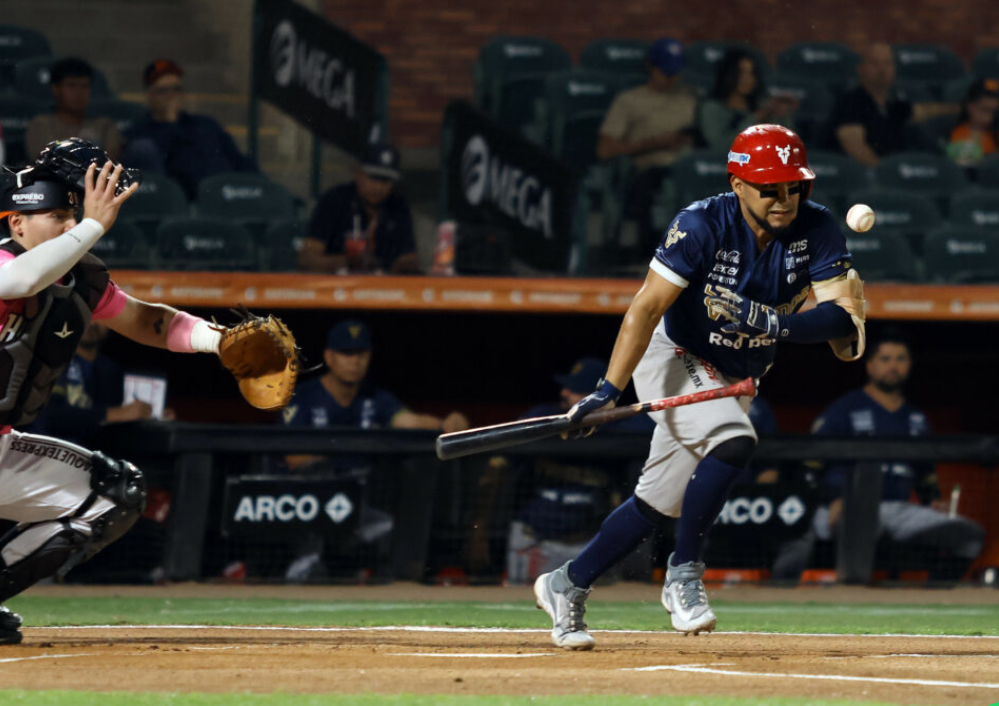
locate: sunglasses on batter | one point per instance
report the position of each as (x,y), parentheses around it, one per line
(767,191)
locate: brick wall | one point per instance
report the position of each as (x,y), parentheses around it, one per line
(431,45)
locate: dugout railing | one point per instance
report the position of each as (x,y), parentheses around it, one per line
(188,455)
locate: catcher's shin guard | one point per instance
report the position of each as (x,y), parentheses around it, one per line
(33,552)
(122,483)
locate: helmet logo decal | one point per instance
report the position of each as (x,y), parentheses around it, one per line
(784,153)
(738,157)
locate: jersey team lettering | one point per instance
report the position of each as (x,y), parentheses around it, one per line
(56,453)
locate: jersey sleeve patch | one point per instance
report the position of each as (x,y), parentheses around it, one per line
(681,250)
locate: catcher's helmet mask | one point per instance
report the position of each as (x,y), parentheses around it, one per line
(66,161)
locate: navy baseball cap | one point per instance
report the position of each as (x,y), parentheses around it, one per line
(666,54)
(584,376)
(381,161)
(350,336)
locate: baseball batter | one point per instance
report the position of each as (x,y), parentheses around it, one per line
(69,502)
(723,288)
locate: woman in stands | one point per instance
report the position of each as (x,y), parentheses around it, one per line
(976,132)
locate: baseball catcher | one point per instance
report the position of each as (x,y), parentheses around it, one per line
(70,502)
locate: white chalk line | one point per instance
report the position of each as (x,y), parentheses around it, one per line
(458,630)
(474,655)
(698,669)
(9,660)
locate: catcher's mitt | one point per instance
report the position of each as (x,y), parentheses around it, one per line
(261,354)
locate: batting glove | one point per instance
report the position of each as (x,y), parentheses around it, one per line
(746,317)
(606,395)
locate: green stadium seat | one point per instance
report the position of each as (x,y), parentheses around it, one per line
(702,61)
(279,249)
(836,176)
(963,255)
(829,62)
(694,176)
(15,114)
(815,102)
(988,172)
(211,244)
(955,90)
(18,44)
(913,91)
(922,174)
(616,56)
(900,212)
(251,200)
(124,113)
(124,247)
(158,199)
(882,257)
(975,207)
(930,64)
(31,79)
(575,105)
(986,63)
(510,77)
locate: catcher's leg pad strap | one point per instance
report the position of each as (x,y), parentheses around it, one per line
(34,552)
(847,292)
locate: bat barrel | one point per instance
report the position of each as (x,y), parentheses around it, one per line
(473,441)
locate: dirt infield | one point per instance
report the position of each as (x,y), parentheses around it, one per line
(908,670)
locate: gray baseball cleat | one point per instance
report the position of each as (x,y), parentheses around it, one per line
(566,605)
(685,599)
(10,622)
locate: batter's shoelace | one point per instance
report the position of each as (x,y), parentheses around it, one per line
(692,594)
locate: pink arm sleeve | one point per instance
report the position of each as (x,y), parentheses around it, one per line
(111,303)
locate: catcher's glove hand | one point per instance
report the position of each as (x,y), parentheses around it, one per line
(261,354)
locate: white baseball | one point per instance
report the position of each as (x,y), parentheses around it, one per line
(860,217)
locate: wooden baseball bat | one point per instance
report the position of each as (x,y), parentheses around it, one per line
(499,436)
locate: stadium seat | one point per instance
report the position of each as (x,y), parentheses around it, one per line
(159,198)
(835,177)
(829,62)
(702,61)
(914,91)
(695,176)
(900,212)
(15,114)
(124,247)
(510,77)
(986,63)
(575,105)
(815,102)
(929,64)
(922,174)
(124,113)
(962,255)
(205,244)
(931,134)
(955,90)
(282,241)
(988,172)
(249,199)
(31,79)
(882,257)
(975,207)
(621,57)
(18,44)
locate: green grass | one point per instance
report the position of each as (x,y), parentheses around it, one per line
(77,698)
(770,617)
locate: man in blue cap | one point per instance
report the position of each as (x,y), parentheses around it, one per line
(364,226)
(342,397)
(653,124)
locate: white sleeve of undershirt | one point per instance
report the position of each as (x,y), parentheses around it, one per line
(34,270)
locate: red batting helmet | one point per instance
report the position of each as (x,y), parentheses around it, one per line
(769,154)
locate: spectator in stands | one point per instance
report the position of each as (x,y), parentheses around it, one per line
(880,409)
(89,393)
(738,100)
(976,132)
(190,147)
(365,225)
(653,124)
(557,503)
(71,80)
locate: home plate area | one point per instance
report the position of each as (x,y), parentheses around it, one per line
(896,669)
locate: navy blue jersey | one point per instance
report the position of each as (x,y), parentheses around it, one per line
(857,414)
(709,244)
(641,423)
(313,406)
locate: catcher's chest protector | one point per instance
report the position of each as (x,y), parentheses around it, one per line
(37,343)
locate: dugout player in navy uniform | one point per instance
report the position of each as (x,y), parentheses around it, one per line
(69,502)
(879,409)
(722,289)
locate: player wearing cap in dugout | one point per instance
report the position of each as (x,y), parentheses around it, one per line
(722,289)
(69,502)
